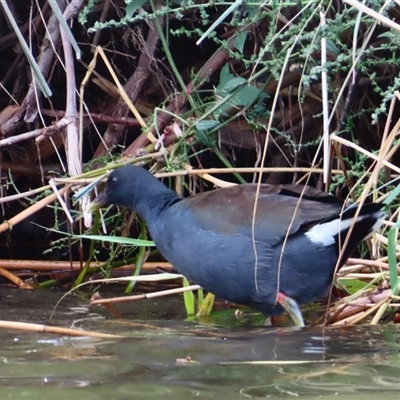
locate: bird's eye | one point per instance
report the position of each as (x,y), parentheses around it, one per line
(114,179)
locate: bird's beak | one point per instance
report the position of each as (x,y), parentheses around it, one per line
(99,202)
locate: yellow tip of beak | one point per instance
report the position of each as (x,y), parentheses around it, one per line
(99,202)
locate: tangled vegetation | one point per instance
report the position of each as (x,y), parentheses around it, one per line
(205,94)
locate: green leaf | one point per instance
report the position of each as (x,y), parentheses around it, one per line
(352,286)
(64,24)
(204,138)
(206,124)
(117,239)
(246,96)
(220,19)
(111,239)
(188,298)
(240,40)
(206,305)
(230,85)
(243,96)
(393,195)
(234,92)
(200,297)
(132,6)
(224,76)
(392,259)
(39,78)
(331,47)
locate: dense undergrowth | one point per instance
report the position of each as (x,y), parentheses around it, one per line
(273,91)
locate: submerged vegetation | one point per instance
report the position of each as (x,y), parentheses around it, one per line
(204,94)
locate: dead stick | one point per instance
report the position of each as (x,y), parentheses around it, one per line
(47,130)
(5,226)
(145,296)
(34,265)
(25,326)
(15,279)
(359,316)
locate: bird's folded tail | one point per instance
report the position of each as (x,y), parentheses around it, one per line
(361,222)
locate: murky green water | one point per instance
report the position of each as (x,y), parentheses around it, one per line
(227,363)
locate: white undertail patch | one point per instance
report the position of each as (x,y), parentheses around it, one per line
(325,233)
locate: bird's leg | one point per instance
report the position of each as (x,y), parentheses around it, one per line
(292,309)
(268,321)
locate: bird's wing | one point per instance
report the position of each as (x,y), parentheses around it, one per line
(280,210)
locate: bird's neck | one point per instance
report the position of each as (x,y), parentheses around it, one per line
(161,198)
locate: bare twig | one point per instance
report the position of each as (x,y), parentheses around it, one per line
(161,293)
(30,210)
(47,130)
(25,326)
(43,265)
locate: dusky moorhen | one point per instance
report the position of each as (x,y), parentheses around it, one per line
(282,255)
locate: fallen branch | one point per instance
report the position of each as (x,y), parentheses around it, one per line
(34,265)
(5,226)
(26,326)
(161,293)
(47,131)
(15,279)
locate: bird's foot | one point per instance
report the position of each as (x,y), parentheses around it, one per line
(292,309)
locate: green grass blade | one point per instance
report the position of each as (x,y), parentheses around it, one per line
(41,81)
(392,260)
(188,298)
(118,240)
(206,305)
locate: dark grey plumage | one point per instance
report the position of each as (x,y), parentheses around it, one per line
(291,250)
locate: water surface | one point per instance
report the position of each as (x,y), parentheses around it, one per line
(164,357)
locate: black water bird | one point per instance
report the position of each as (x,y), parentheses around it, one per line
(272,259)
